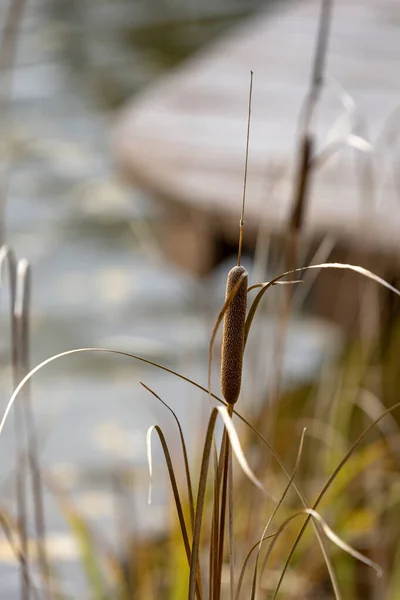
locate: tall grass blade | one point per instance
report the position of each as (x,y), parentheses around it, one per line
(21,313)
(238,451)
(7,259)
(198,519)
(265,286)
(163,368)
(184,452)
(277,507)
(175,492)
(327,485)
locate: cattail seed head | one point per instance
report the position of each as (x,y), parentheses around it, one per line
(233,335)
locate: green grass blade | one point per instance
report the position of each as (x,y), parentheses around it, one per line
(277,507)
(329,483)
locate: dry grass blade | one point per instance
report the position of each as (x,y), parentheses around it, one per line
(342,544)
(223,464)
(230,528)
(279,504)
(149,362)
(238,451)
(327,485)
(299,494)
(167,370)
(246,163)
(149,463)
(246,560)
(7,530)
(321,255)
(156,365)
(21,314)
(66,353)
(257,300)
(176,495)
(232,294)
(236,447)
(7,258)
(345,266)
(265,286)
(184,452)
(331,535)
(200,502)
(351,141)
(303,178)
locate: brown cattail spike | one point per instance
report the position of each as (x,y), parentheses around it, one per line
(233,334)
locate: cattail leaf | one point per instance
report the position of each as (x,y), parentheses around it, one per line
(184,452)
(328,484)
(238,451)
(265,286)
(201,492)
(277,507)
(331,535)
(177,499)
(167,370)
(246,560)
(55,357)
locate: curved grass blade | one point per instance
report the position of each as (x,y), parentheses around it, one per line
(184,452)
(279,504)
(176,495)
(327,485)
(246,560)
(146,361)
(54,357)
(237,449)
(167,370)
(265,286)
(330,534)
(200,502)
(350,141)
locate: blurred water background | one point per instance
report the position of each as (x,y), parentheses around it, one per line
(99,277)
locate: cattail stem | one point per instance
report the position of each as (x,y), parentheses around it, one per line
(224,464)
(246,163)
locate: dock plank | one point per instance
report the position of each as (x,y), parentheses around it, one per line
(183,139)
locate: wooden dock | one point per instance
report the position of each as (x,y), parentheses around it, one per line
(183,139)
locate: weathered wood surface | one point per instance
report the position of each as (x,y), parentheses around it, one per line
(183,139)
